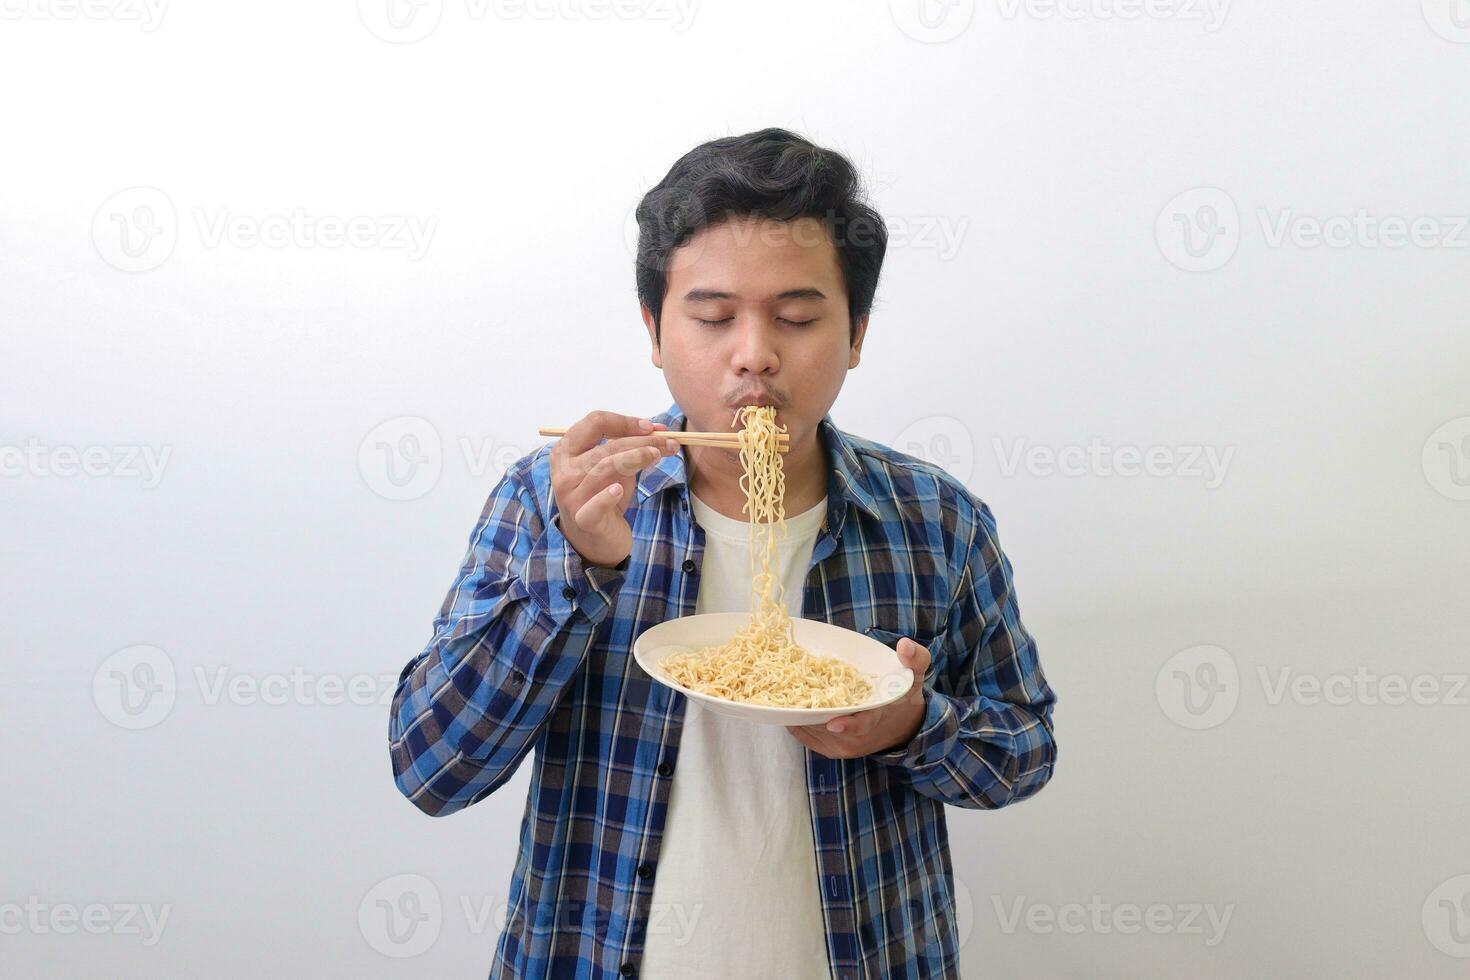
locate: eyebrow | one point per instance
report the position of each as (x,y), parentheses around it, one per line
(703,295)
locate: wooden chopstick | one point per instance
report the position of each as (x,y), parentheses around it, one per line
(721,440)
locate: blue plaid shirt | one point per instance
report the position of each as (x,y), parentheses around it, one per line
(533,649)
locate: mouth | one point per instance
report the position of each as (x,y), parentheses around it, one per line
(755,400)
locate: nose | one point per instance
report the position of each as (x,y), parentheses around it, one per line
(755,348)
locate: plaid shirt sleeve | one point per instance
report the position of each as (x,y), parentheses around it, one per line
(511,635)
(986,737)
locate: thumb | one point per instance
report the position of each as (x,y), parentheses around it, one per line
(913,656)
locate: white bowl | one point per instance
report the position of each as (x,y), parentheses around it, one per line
(879,663)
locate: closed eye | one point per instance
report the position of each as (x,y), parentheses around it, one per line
(720,323)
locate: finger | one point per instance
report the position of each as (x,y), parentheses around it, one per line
(800,733)
(812,736)
(857,724)
(582,464)
(614,471)
(593,427)
(619,467)
(603,505)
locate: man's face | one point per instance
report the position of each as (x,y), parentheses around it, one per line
(756,312)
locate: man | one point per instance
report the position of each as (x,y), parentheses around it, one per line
(665,841)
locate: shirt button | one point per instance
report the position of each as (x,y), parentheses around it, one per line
(665,769)
(645,871)
(688,564)
(627,969)
(568,593)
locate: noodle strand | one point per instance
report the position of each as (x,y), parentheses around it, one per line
(762,663)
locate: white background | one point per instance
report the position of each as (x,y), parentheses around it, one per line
(1065,306)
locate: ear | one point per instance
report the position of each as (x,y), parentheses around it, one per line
(658,360)
(856,354)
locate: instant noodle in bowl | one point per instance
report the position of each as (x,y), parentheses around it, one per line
(887,680)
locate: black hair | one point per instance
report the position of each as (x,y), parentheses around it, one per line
(770,173)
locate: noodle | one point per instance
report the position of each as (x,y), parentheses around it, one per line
(762,663)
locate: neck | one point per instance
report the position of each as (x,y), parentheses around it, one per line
(714,476)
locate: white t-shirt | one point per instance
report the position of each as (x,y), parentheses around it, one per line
(736,891)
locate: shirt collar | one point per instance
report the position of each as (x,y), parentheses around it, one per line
(846,479)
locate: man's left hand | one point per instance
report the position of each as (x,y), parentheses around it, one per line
(878,729)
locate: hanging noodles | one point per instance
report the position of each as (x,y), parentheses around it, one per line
(762,664)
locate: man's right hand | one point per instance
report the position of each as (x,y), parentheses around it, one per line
(592,480)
